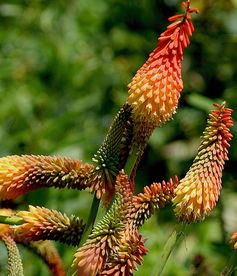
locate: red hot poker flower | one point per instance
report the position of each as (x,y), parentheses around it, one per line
(199,190)
(155,89)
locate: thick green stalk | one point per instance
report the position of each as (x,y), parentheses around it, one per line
(91,219)
(11,220)
(131,161)
(170,245)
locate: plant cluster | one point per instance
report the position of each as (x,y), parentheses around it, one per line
(112,244)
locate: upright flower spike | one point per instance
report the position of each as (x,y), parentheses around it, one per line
(44,224)
(155,196)
(155,89)
(91,258)
(110,154)
(233,239)
(199,190)
(22,174)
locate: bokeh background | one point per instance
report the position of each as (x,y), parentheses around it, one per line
(64,70)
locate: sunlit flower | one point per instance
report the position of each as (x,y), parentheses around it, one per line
(233,239)
(155,196)
(199,190)
(22,174)
(44,224)
(155,89)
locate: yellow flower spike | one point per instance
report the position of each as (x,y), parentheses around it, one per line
(199,190)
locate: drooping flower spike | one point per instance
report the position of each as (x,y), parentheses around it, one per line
(155,89)
(22,174)
(233,239)
(44,224)
(199,190)
(49,254)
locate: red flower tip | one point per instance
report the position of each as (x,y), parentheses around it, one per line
(155,89)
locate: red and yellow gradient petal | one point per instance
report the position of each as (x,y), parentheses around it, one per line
(155,89)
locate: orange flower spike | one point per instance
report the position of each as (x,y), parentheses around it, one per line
(49,254)
(233,239)
(23,174)
(155,89)
(199,190)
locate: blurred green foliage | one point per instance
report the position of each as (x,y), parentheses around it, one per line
(64,70)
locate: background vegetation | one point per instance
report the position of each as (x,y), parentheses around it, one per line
(64,70)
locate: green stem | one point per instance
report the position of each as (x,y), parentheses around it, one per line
(232,265)
(131,161)
(91,219)
(168,248)
(11,220)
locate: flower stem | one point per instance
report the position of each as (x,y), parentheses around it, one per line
(131,161)
(170,244)
(11,220)
(231,267)
(91,218)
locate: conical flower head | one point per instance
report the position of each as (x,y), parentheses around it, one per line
(199,190)
(155,89)
(233,239)
(44,224)
(22,174)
